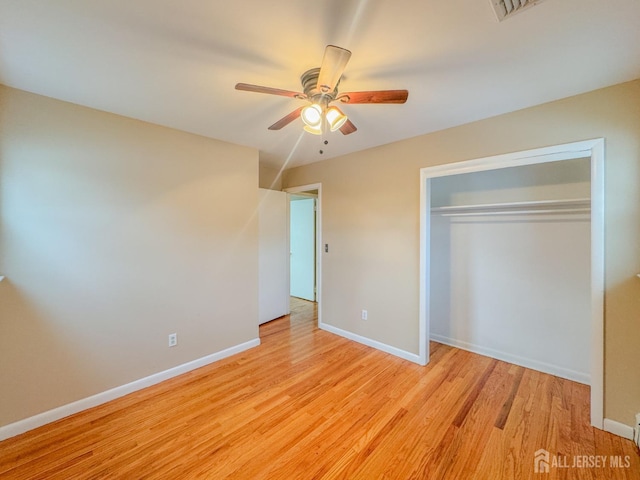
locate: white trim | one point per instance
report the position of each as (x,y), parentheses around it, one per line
(597,283)
(319,244)
(516,159)
(617,428)
(424,321)
(412,357)
(515,359)
(594,149)
(44,418)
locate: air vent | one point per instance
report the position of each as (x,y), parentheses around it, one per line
(508,8)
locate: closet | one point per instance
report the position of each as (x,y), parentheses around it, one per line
(510,265)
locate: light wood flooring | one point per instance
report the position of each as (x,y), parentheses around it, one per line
(307,404)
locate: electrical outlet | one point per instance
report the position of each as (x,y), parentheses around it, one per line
(173,339)
(364,314)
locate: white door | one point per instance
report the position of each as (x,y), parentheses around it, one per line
(273,250)
(302,244)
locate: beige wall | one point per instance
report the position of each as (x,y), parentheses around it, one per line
(370,220)
(116,233)
(270,178)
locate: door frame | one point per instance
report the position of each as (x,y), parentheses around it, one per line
(592,149)
(303,189)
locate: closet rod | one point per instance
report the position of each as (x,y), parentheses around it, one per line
(518,212)
(556,204)
(561,206)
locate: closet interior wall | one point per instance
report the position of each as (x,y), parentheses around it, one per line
(510,265)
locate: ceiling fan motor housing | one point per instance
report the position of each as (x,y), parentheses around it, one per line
(310,88)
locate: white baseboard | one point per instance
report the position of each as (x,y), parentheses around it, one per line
(49,416)
(510,358)
(412,357)
(617,428)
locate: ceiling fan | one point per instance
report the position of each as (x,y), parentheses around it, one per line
(320,87)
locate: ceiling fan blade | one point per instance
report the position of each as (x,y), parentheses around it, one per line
(272,91)
(375,96)
(333,64)
(348,128)
(286,120)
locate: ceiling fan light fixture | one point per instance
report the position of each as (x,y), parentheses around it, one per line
(335,118)
(314,130)
(312,116)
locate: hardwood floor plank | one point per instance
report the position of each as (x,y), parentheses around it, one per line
(473,395)
(506,407)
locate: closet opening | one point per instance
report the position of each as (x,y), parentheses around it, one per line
(512,260)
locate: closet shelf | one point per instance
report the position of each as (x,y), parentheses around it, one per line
(564,206)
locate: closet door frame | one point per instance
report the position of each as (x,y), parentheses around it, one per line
(592,149)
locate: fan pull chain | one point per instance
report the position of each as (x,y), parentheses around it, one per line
(324,132)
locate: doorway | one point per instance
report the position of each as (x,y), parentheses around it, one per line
(302,245)
(307,194)
(590,149)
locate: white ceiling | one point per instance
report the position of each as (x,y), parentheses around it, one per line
(176,63)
